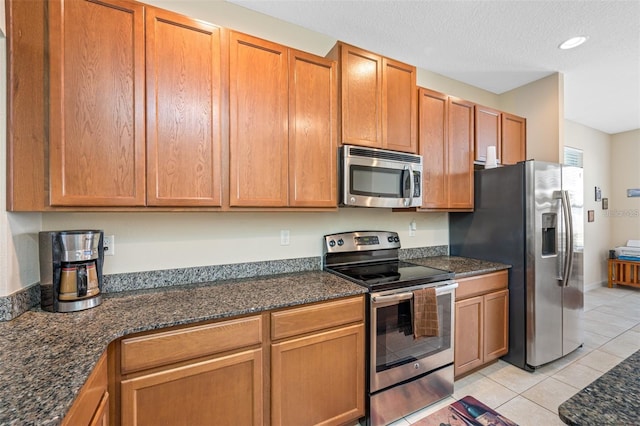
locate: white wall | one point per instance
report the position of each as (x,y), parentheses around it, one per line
(596,147)
(624,211)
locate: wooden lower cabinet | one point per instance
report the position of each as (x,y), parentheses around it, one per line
(294,366)
(318,363)
(318,379)
(481,321)
(469,331)
(92,404)
(226,390)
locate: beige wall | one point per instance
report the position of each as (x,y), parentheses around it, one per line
(149,241)
(596,147)
(624,211)
(18,246)
(541,102)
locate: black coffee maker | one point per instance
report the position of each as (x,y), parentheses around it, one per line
(71,270)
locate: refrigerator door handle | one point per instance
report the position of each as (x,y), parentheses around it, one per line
(568,221)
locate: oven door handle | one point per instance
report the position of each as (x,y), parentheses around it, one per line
(392,298)
(446,288)
(409,295)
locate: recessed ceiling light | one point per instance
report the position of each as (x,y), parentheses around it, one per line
(573,42)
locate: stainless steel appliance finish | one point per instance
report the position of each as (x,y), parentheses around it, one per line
(404,373)
(70,269)
(530,215)
(379,178)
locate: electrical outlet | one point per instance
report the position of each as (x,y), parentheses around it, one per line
(109,245)
(284,237)
(412,228)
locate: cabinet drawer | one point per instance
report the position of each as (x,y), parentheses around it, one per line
(481,284)
(317,317)
(139,353)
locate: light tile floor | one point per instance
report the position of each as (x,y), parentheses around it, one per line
(612,333)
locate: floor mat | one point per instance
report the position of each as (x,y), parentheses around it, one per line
(466,411)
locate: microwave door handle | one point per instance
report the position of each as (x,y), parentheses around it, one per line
(407,173)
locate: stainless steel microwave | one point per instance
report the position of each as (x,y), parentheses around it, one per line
(379,178)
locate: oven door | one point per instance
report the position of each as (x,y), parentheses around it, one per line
(395,355)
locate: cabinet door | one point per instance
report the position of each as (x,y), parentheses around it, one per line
(468,351)
(460,154)
(221,391)
(91,406)
(361,97)
(313,137)
(433,108)
(101,416)
(513,139)
(488,132)
(496,325)
(258,122)
(318,379)
(183,111)
(399,105)
(96,122)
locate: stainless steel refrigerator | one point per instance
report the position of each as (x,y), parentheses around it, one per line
(530,216)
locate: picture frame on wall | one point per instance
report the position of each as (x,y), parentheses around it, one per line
(605,203)
(590,216)
(598,193)
(633,192)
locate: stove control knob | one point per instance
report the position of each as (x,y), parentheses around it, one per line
(396,239)
(340,242)
(416,366)
(390,238)
(332,243)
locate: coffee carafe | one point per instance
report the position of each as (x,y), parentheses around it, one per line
(71,270)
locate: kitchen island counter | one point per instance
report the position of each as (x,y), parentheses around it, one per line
(612,399)
(45,358)
(461,266)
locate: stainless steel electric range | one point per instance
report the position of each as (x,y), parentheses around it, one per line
(404,373)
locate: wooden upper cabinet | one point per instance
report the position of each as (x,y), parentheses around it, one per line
(399,104)
(433,107)
(258,122)
(184,93)
(460,156)
(313,137)
(446,145)
(377,100)
(27,106)
(360,95)
(514,136)
(488,132)
(96,117)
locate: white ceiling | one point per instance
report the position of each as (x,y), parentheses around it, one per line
(497,45)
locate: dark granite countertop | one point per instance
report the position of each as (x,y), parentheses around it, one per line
(612,399)
(45,358)
(462,266)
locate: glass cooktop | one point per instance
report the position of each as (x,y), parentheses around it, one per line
(391,274)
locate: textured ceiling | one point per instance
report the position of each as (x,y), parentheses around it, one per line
(497,45)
